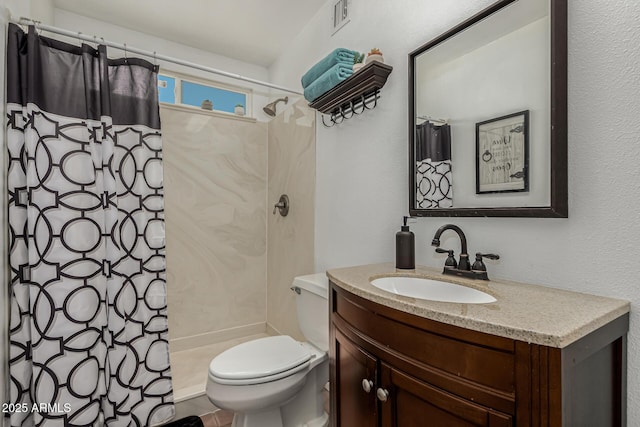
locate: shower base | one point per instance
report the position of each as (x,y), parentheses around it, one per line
(189,367)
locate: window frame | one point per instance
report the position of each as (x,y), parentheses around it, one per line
(177,92)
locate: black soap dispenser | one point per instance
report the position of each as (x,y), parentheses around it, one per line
(405,248)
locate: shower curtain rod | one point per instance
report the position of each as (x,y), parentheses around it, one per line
(154,55)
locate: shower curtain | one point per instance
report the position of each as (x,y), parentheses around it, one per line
(434,187)
(88,328)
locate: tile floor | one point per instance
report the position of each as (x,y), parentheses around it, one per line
(219,418)
(195,406)
(222,418)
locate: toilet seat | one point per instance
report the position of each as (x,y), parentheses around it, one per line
(260,361)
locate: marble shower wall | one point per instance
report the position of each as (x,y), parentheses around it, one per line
(292,171)
(215,185)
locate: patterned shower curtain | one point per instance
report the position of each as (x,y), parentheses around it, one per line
(434,186)
(88,329)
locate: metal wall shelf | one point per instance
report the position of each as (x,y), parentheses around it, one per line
(356,94)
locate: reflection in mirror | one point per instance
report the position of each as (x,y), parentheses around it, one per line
(481,115)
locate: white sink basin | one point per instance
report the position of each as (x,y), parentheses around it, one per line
(432,290)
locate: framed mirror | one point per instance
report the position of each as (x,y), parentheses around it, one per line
(488,115)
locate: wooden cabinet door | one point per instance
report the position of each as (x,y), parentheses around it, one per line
(356,407)
(408,402)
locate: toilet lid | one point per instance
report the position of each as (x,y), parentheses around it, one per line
(260,359)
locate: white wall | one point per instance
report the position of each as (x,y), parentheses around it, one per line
(17,8)
(361,181)
(361,184)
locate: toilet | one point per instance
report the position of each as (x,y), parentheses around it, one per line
(277,381)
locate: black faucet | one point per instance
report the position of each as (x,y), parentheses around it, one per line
(463,267)
(464,256)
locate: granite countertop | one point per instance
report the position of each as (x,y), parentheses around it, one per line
(530,313)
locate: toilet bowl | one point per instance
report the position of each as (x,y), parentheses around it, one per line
(278,381)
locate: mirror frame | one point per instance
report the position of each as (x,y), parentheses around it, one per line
(558,133)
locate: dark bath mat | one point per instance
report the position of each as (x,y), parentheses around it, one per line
(192,421)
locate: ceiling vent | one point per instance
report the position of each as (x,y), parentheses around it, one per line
(340,14)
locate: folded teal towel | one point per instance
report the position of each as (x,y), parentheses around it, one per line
(327,81)
(338,56)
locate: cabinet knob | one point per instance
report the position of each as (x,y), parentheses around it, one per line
(382,394)
(367,385)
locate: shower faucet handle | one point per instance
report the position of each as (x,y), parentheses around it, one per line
(282,205)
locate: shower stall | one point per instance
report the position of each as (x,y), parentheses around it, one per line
(229,261)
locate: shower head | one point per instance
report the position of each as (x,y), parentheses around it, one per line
(270,108)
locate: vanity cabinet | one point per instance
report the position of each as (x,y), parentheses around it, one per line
(391,368)
(357,379)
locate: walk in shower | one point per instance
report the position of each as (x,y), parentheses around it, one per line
(230,260)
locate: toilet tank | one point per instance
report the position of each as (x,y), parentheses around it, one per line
(312,302)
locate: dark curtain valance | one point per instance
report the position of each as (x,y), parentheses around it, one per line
(433,142)
(44,72)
